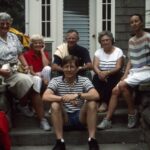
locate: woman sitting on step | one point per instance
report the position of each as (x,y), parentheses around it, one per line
(137,71)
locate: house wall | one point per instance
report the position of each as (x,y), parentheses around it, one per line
(124,9)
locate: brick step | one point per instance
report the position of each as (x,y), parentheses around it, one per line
(118,146)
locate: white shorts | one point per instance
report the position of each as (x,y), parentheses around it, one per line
(138,75)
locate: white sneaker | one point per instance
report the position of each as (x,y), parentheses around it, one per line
(45,125)
(132,120)
(25,111)
(105,124)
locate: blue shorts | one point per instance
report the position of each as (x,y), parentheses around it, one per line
(74,122)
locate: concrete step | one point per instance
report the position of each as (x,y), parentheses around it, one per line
(123,146)
(21,121)
(36,136)
(26,132)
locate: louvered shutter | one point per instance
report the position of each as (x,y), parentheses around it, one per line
(76,16)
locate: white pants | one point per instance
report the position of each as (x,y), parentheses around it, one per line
(45,74)
(138,75)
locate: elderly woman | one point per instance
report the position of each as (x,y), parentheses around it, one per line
(38,60)
(18,84)
(108,61)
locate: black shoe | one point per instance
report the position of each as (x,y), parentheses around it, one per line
(59,145)
(93,145)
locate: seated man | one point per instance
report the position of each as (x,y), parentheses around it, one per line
(70,47)
(73,102)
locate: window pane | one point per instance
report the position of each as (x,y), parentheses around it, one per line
(104,25)
(48,29)
(48,13)
(43,1)
(43,13)
(104,11)
(109,11)
(109,26)
(43,28)
(48,1)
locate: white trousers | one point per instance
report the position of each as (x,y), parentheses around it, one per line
(45,74)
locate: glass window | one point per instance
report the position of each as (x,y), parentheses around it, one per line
(46,18)
(106,9)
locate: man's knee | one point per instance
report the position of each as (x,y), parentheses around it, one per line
(91,105)
(55,107)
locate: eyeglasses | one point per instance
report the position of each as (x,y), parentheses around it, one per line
(5,23)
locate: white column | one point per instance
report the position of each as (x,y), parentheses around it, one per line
(147,14)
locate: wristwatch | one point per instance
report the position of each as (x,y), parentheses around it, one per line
(79,96)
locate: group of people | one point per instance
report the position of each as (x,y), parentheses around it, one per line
(73,95)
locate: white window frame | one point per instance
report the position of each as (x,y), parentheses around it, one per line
(147,14)
(95,15)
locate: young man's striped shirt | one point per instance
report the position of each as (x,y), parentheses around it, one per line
(61,87)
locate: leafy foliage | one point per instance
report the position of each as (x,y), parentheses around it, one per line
(16,8)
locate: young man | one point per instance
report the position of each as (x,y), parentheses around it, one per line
(73,103)
(70,47)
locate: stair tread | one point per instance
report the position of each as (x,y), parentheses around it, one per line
(117,146)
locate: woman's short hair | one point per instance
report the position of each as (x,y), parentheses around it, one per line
(69,59)
(36,37)
(5,16)
(108,33)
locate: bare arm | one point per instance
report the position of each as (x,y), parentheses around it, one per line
(50,96)
(45,60)
(117,68)
(56,67)
(92,94)
(128,67)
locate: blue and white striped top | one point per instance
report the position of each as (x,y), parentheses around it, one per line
(61,87)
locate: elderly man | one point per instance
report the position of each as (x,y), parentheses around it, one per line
(70,47)
(73,101)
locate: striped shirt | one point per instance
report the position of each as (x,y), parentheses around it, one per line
(61,87)
(139,51)
(108,61)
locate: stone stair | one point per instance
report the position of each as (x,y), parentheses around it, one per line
(26,132)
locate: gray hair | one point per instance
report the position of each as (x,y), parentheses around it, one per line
(108,33)
(36,37)
(5,16)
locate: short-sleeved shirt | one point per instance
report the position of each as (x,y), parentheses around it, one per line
(60,87)
(139,51)
(10,49)
(108,61)
(78,51)
(35,60)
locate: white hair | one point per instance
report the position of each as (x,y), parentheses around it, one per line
(5,16)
